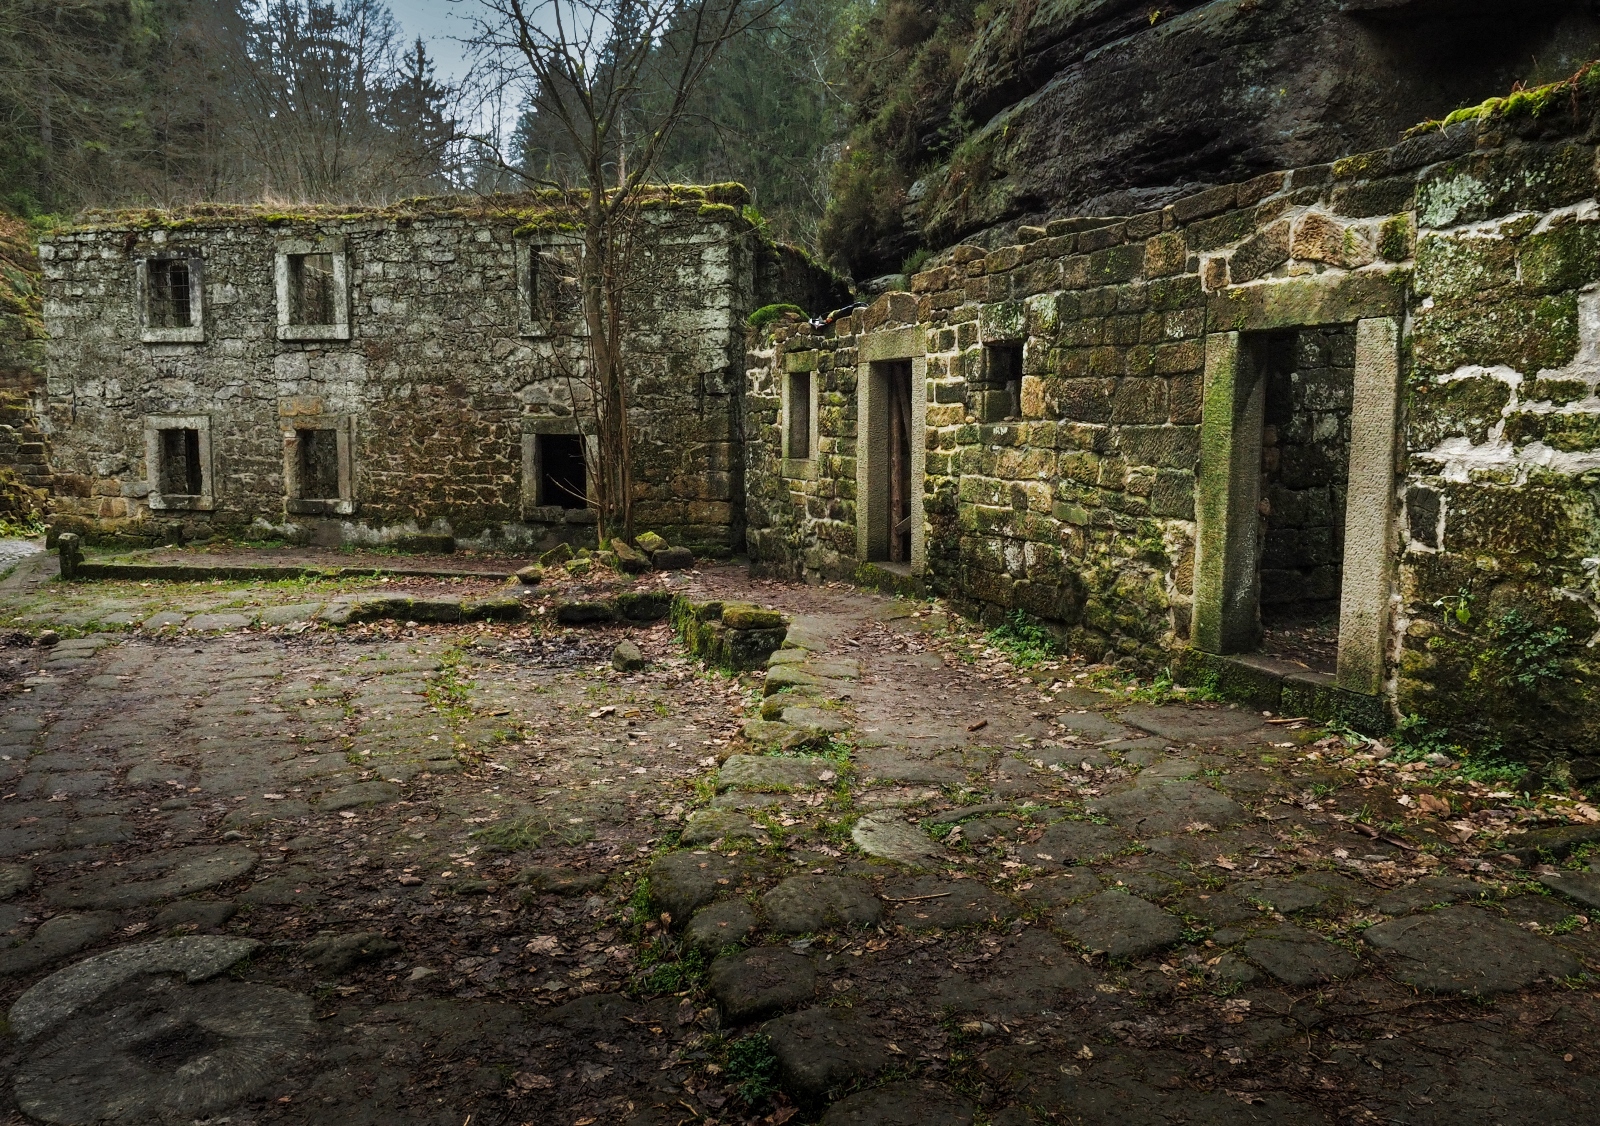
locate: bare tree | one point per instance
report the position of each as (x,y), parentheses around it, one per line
(613,78)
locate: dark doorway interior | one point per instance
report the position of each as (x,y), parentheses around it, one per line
(1305,463)
(319,464)
(180,463)
(563,479)
(897,404)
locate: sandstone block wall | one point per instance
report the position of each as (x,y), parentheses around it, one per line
(1074,497)
(440,378)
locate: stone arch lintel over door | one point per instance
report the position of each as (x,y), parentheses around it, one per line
(880,348)
(1228,490)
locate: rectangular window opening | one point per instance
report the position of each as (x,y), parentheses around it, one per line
(180,473)
(1002,381)
(168,296)
(799,415)
(1309,377)
(319,464)
(563,477)
(311,291)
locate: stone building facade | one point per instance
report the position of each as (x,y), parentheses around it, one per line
(1327,440)
(362,377)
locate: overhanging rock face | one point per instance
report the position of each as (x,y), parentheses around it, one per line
(1071,122)
(1364,391)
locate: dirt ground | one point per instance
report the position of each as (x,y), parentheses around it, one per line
(460,874)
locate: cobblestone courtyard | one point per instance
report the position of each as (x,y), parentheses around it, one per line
(255,867)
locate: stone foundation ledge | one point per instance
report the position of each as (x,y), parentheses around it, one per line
(1281,688)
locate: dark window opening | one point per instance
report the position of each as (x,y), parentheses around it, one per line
(552,286)
(1002,382)
(800,415)
(1309,379)
(180,474)
(319,464)
(563,478)
(168,298)
(311,293)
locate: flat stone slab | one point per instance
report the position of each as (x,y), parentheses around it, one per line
(823,720)
(1305,892)
(760,982)
(929,903)
(804,904)
(1431,891)
(341,953)
(284,615)
(901,1104)
(1168,808)
(63,993)
(886,764)
(55,939)
(889,837)
(212,622)
(680,882)
(1120,925)
(165,875)
(1061,888)
(1033,974)
(1094,727)
(706,825)
(1299,958)
(1181,724)
(722,924)
(165,1053)
(775,773)
(824,1050)
(1581,886)
(1467,950)
(1074,842)
(14,879)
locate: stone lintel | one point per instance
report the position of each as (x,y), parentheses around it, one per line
(1304,302)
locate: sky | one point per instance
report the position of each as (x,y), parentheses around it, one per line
(437,21)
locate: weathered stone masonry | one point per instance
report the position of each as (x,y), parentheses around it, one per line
(428,385)
(1434,303)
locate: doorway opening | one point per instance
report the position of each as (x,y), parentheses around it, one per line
(1309,383)
(889,439)
(563,474)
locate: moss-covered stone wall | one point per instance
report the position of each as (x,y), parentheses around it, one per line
(1073,496)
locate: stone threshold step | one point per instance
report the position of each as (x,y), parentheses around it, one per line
(1281,688)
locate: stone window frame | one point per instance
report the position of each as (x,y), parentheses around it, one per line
(195,333)
(345,503)
(527,323)
(532,471)
(887,346)
(330,245)
(1000,400)
(1228,483)
(799,363)
(153,426)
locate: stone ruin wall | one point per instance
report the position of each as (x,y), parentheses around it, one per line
(1484,240)
(439,377)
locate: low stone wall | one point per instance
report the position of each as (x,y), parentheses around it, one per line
(1071,493)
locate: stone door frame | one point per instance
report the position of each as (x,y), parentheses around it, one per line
(889,346)
(1228,487)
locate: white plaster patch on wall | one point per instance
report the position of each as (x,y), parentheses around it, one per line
(1459,458)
